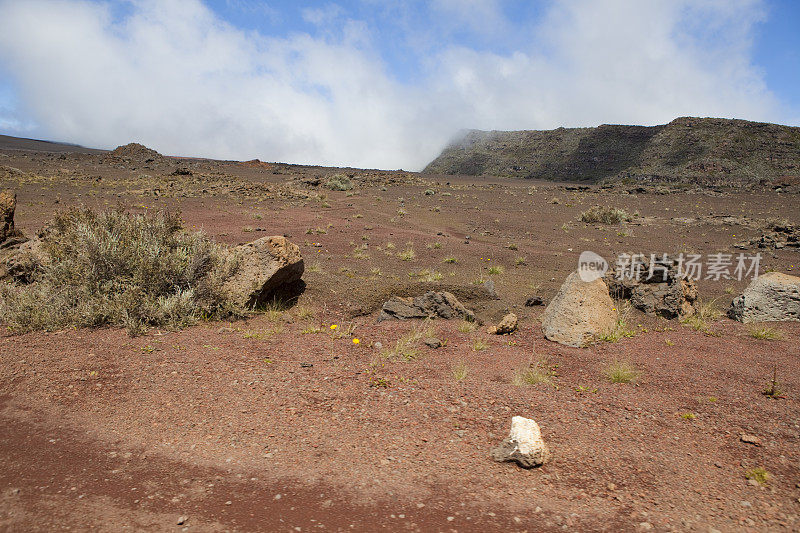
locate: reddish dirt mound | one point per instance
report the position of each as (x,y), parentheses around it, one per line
(135,150)
(256,163)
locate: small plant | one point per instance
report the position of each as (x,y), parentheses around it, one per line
(620,329)
(764,333)
(493,270)
(303,313)
(688,416)
(450,260)
(512,246)
(311,330)
(699,321)
(604,215)
(773,389)
(429,192)
(390,246)
(406,346)
(520,261)
(314,267)
(380,383)
(580,389)
(460,371)
(539,371)
(621,372)
(407,255)
(479,344)
(669,342)
(339,182)
(759,474)
(376,271)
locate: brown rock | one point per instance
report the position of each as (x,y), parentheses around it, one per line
(579,313)
(264,266)
(506,326)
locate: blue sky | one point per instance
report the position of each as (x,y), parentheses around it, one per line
(382,83)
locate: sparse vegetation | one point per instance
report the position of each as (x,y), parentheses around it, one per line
(773,389)
(466,326)
(706,312)
(116,268)
(450,260)
(494,270)
(604,215)
(621,372)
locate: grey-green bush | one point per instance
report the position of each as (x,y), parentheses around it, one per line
(115,268)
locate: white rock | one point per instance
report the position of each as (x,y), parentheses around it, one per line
(524,444)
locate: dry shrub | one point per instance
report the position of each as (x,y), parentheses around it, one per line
(116,268)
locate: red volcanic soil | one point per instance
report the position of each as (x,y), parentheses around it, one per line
(278,423)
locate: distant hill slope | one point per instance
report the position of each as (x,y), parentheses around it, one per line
(20,143)
(708,151)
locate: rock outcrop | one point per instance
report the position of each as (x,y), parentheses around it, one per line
(506,326)
(524,444)
(264,266)
(9,235)
(430,305)
(579,313)
(660,292)
(771,297)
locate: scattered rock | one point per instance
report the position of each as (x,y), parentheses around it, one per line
(182,520)
(780,235)
(579,313)
(750,439)
(506,326)
(661,291)
(432,342)
(772,297)
(430,305)
(264,268)
(524,444)
(534,301)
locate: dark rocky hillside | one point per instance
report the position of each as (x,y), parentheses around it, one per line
(708,151)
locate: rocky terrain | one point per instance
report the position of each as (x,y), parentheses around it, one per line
(687,151)
(440,368)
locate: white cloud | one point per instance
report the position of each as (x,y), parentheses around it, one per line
(173,76)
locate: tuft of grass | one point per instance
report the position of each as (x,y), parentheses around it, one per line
(539,371)
(493,270)
(604,215)
(450,260)
(460,371)
(688,416)
(520,260)
(115,268)
(466,326)
(764,333)
(759,474)
(621,372)
(407,255)
(479,344)
(706,312)
(620,329)
(406,346)
(773,389)
(339,182)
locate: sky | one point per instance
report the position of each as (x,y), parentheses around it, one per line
(382,83)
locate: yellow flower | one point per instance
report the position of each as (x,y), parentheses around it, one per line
(334,326)
(356,341)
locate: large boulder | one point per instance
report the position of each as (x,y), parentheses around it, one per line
(665,293)
(263,268)
(524,444)
(771,297)
(579,313)
(432,304)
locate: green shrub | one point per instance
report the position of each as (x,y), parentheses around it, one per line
(339,182)
(115,268)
